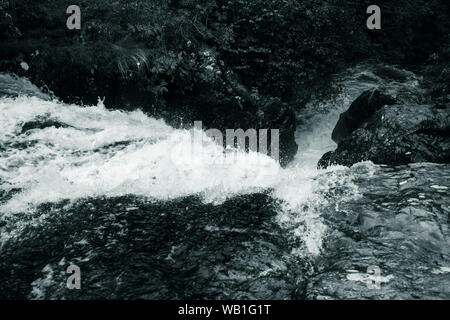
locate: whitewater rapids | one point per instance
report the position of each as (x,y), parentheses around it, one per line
(53,153)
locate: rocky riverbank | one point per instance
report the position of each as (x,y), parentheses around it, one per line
(398,226)
(377,129)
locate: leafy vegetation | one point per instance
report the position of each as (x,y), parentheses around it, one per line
(185,57)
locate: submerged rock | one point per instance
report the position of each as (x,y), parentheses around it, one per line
(395,134)
(42,123)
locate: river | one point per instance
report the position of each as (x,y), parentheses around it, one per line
(117,194)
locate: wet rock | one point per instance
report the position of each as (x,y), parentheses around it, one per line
(325,161)
(250,113)
(359,112)
(392,73)
(397,134)
(404,239)
(281,116)
(14,86)
(42,123)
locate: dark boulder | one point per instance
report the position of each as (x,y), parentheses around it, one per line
(359,112)
(264,113)
(42,123)
(397,134)
(278,115)
(325,161)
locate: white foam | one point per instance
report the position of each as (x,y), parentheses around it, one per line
(441,270)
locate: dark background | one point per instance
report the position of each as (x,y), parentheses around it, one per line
(266,49)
